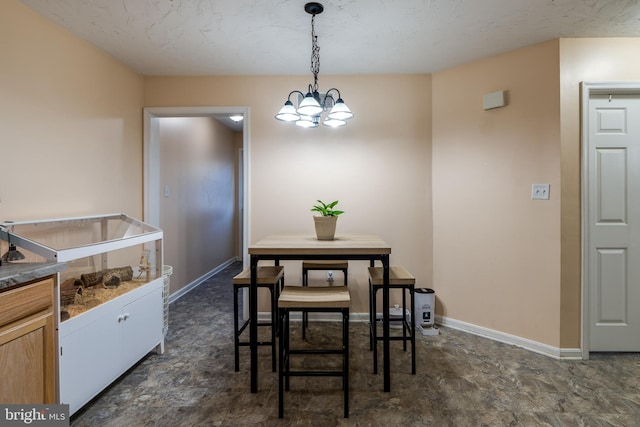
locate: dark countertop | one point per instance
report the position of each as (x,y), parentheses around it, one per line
(12,274)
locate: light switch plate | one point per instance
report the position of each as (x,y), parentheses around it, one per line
(540,191)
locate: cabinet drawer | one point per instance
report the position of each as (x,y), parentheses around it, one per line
(26,300)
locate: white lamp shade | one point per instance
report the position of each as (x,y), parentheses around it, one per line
(309,106)
(307,122)
(334,123)
(340,111)
(288,113)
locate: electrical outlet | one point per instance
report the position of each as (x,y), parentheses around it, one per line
(540,191)
(329,276)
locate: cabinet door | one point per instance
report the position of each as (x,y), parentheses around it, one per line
(27,363)
(142,329)
(23,365)
(90,357)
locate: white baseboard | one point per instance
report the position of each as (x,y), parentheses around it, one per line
(194,284)
(534,346)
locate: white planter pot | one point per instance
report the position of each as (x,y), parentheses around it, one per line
(325,227)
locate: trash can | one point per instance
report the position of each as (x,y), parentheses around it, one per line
(167,271)
(425,311)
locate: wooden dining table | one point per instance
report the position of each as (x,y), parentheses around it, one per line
(367,247)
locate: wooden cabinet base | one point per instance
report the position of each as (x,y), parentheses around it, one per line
(27,333)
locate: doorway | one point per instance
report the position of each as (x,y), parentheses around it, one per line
(152,173)
(611,217)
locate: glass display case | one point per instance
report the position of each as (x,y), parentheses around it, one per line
(110,298)
(106,256)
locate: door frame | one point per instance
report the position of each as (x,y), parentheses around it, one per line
(588,89)
(151,160)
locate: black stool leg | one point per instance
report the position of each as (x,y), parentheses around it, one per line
(274,322)
(413,331)
(404,319)
(372,316)
(305,315)
(281,358)
(345,362)
(287,348)
(279,288)
(236,338)
(375,332)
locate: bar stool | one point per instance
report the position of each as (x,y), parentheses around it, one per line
(320,265)
(399,278)
(271,278)
(319,299)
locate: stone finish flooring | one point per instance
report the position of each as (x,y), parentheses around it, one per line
(462,380)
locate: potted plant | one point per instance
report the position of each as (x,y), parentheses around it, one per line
(326,221)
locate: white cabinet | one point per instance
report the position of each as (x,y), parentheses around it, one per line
(98,346)
(109,305)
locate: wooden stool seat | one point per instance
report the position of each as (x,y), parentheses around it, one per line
(267,275)
(312,298)
(399,278)
(272,278)
(398,275)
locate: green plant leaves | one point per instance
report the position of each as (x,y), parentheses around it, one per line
(326,209)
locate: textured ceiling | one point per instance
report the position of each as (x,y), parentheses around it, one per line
(271,37)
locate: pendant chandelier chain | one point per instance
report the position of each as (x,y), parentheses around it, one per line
(315,54)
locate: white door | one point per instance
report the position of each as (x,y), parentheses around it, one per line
(613,223)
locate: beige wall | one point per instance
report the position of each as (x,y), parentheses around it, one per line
(71,124)
(496,251)
(377,166)
(71,136)
(198,167)
(582,60)
(484,164)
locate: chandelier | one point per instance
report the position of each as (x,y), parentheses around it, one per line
(314,104)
